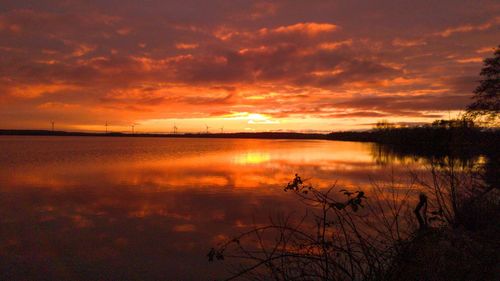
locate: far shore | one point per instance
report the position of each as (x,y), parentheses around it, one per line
(240,135)
(420,138)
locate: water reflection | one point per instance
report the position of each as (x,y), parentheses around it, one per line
(131,208)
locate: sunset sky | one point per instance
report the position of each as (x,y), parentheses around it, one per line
(243,65)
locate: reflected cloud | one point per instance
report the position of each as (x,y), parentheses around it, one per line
(74,208)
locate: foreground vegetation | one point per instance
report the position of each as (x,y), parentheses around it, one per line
(440,227)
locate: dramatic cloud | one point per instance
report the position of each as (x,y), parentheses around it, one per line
(297,65)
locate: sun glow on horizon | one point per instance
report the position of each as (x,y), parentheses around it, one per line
(251,118)
(241,122)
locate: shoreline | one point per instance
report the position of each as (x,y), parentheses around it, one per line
(241,135)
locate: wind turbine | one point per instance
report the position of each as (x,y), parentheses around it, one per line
(52,125)
(175,129)
(133,128)
(106,127)
(222,130)
(207,127)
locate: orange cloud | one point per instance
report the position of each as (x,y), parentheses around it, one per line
(309,28)
(470,60)
(468,28)
(408,43)
(186,46)
(335,45)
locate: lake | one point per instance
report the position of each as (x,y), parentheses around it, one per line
(104,208)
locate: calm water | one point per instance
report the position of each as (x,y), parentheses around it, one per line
(80,208)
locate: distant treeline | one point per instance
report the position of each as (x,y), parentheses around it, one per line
(440,135)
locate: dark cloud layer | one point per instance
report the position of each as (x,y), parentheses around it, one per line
(134,61)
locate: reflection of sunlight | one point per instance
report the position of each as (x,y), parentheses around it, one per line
(181,164)
(252,158)
(184,164)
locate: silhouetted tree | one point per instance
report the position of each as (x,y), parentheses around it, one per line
(372,237)
(384,125)
(487,99)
